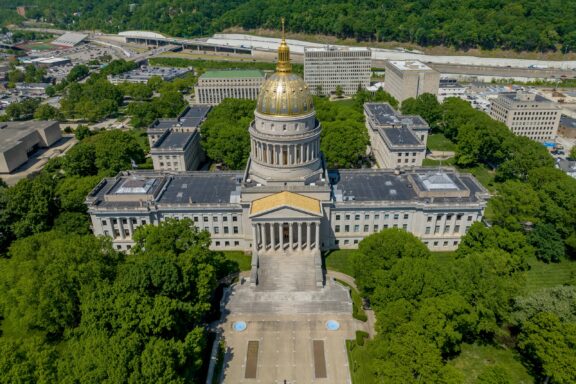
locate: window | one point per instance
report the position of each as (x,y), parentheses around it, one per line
(337,228)
(217,243)
(128,247)
(439,217)
(337,242)
(225,219)
(205,219)
(234,218)
(404,226)
(367,217)
(355,241)
(469,218)
(103,222)
(405,216)
(126,233)
(215,219)
(207,229)
(445,243)
(195,219)
(116,233)
(119,247)
(143,222)
(455,243)
(435,243)
(114,221)
(347,217)
(106,233)
(226,243)
(449,216)
(235,230)
(396,216)
(459,216)
(356,228)
(385,226)
(376,217)
(346,228)
(427,231)
(134,221)
(429,218)
(216,229)
(356,217)
(226,230)
(236,243)
(436,229)
(346,241)
(386,216)
(376,228)
(337,217)
(457,228)
(447,229)
(366,229)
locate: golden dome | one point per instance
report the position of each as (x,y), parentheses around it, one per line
(284,93)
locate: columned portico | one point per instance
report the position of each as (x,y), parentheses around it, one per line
(283,237)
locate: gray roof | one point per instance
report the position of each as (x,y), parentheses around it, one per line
(513,96)
(166,188)
(400,136)
(568,122)
(384,185)
(194,115)
(383,113)
(174,140)
(13,132)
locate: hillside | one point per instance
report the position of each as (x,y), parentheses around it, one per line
(525,25)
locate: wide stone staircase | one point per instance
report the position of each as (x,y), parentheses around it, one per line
(287,283)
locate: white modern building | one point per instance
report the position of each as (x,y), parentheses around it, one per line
(286,203)
(329,67)
(450,88)
(527,114)
(406,79)
(215,86)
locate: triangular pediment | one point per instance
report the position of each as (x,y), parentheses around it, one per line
(288,203)
(286,213)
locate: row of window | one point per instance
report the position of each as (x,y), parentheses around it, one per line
(375,228)
(447,229)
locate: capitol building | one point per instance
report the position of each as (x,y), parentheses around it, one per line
(286,201)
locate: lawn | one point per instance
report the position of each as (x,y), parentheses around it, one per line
(474,358)
(484,175)
(542,275)
(244,261)
(339,260)
(359,359)
(438,163)
(439,142)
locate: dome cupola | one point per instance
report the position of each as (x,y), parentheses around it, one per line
(284,93)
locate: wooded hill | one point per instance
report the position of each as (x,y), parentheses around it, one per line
(526,25)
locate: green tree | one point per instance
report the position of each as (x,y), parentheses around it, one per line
(381,250)
(515,204)
(225,136)
(425,105)
(78,72)
(344,144)
(47,112)
(82,131)
(23,110)
(60,267)
(547,242)
(114,151)
(80,160)
(560,301)
(550,346)
(339,91)
(573,152)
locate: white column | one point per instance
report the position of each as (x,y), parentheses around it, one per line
(281,235)
(273,235)
(121,226)
(308,230)
(264,236)
(131,226)
(300,236)
(254,240)
(291,235)
(317,235)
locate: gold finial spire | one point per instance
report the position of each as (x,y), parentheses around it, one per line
(283,65)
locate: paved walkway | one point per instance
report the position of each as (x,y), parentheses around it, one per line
(286,349)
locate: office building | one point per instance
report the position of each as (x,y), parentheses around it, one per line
(406,79)
(330,67)
(215,86)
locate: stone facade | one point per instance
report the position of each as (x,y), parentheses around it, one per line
(397,141)
(527,114)
(215,86)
